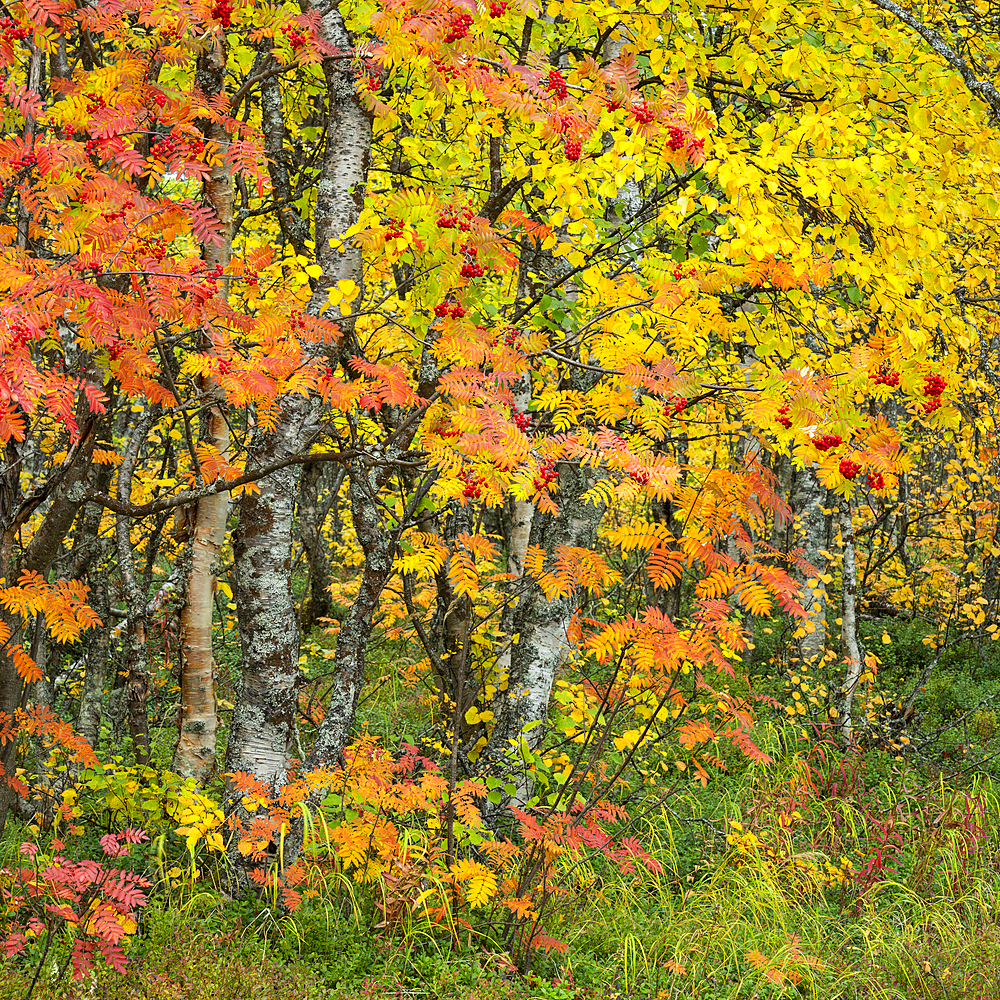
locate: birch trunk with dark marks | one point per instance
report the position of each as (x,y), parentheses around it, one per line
(263,717)
(194,755)
(808,502)
(95,668)
(136,649)
(540,627)
(312,514)
(522,514)
(844,699)
(261,728)
(379,544)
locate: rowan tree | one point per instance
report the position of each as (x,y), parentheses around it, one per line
(633,288)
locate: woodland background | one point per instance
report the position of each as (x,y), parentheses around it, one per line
(499,500)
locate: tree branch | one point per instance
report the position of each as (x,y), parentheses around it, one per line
(982,89)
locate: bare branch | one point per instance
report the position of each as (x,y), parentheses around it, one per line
(982,89)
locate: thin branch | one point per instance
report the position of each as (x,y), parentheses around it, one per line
(982,89)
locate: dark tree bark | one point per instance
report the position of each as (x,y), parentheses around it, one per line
(312,514)
(264,713)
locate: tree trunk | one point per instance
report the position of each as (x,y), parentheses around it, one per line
(844,699)
(261,729)
(194,755)
(136,648)
(262,720)
(311,517)
(807,501)
(379,544)
(540,629)
(95,670)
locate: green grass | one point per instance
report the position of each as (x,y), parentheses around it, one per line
(726,917)
(722,920)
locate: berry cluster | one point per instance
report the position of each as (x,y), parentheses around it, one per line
(28,160)
(20,333)
(451,221)
(557,85)
(875,481)
(934,385)
(150,246)
(498,9)
(67,131)
(885,376)
(641,477)
(460,25)
(165,149)
(643,113)
(473,487)
(783,418)
(394,228)
(471,268)
(296,39)
(674,405)
(573,149)
(10,31)
(546,474)
(296,321)
(96,103)
(116,350)
(696,146)
(225,366)
(678,273)
(159,99)
(828,441)
(612,104)
(223,13)
(849,469)
(452,309)
(510,337)
(446,71)
(93,146)
(676,140)
(196,147)
(522,421)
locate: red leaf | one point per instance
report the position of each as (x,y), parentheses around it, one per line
(206,226)
(96,398)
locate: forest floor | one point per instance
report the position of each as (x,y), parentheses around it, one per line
(744,908)
(821,874)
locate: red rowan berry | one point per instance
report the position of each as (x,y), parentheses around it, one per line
(223,13)
(643,113)
(459,27)
(849,469)
(557,85)
(828,441)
